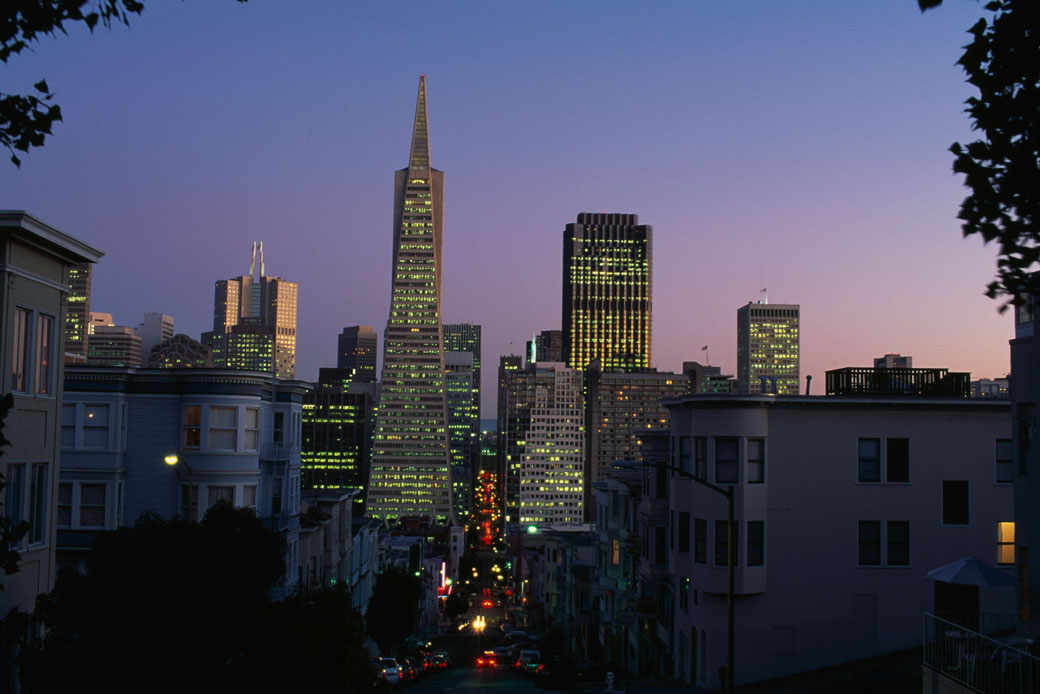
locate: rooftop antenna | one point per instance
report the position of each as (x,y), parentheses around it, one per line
(765,297)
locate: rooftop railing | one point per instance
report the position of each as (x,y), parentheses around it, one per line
(993,665)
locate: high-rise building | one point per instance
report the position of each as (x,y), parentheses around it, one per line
(620,409)
(545,346)
(155,329)
(552,466)
(607,292)
(357,350)
(411,472)
(465,439)
(894,361)
(180,352)
(767,349)
(707,379)
(77,313)
(114,345)
(334,452)
(267,305)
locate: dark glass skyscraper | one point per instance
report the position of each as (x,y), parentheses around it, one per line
(357,350)
(410,472)
(607,292)
(77,315)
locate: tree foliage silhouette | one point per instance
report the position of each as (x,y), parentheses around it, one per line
(27,119)
(1002,168)
(393,608)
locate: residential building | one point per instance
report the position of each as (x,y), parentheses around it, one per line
(607,292)
(267,306)
(326,538)
(768,349)
(154,330)
(180,352)
(114,345)
(552,465)
(411,468)
(36,269)
(1025,461)
(356,349)
(77,312)
(621,407)
(175,442)
(842,505)
(545,346)
(337,431)
(655,600)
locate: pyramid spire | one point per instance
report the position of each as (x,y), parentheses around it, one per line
(420,157)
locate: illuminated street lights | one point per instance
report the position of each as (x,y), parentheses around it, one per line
(172,461)
(730,559)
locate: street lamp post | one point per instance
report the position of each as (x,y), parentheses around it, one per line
(730,560)
(172,461)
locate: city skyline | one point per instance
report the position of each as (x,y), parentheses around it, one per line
(800,148)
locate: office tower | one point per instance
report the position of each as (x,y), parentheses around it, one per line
(98,319)
(607,292)
(894,361)
(114,345)
(357,350)
(267,305)
(334,453)
(767,349)
(465,337)
(552,467)
(77,313)
(410,458)
(620,408)
(707,379)
(459,375)
(545,346)
(507,366)
(180,352)
(155,329)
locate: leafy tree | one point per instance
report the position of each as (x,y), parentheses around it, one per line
(9,534)
(26,119)
(393,608)
(1002,168)
(173,597)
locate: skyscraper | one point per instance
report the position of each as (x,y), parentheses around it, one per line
(266,308)
(607,292)
(465,441)
(767,349)
(155,329)
(465,337)
(410,472)
(545,346)
(357,350)
(77,315)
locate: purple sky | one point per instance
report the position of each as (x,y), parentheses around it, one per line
(797,146)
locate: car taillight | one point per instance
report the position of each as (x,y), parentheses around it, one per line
(540,668)
(491,662)
(480,661)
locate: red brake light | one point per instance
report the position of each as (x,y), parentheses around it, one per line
(480,661)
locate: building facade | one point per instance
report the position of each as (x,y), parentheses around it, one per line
(552,465)
(459,376)
(545,346)
(356,349)
(768,349)
(180,352)
(77,312)
(842,506)
(114,345)
(176,442)
(36,267)
(411,467)
(263,309)
(607,292)
(155,329)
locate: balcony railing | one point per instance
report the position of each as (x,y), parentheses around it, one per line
(1003,665)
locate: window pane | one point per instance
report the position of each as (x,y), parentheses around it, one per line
(955,502)
(92,505)
(899,543)
(869,460)
(192,427)
(685,452)
(249,496)
(700,540)
(756,543)
(192,415)
(726,462)
(38,504)
(250,440)
(1006,542)
(44,355)
(756,461)
(20,351)
(218,494)
(700,445)
(722,543)
(1005,461)
(14,501)
(252,418)
(224,417)
(222,439)
(684,531)
(898,460)
(65,505)
(95,415)
(870,543)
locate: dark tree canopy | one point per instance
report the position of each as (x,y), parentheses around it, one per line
(393,608)
(1002,168)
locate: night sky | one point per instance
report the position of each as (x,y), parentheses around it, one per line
(796,146)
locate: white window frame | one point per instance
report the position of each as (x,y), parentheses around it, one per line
(233,428)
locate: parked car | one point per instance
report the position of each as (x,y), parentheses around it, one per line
(442,660)
(524,661)
(391,670)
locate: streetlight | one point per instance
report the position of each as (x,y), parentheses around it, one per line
(730,559)
(172,461)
